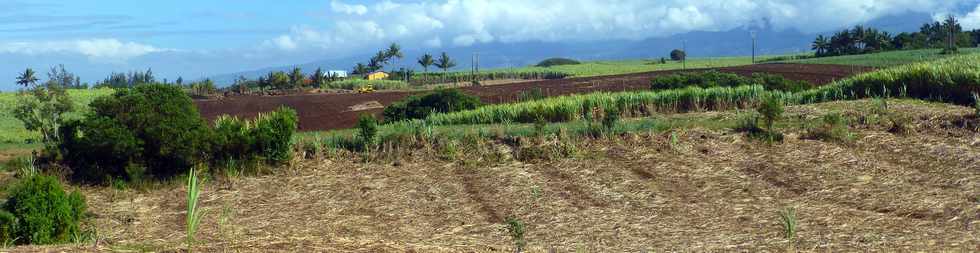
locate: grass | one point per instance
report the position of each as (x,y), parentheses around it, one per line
(603,68)
(886,59)
(952,80)
(788,218)
(13,130)
(574,107)
(194,213)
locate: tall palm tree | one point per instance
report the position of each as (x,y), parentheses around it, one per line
(394,52)
(821,45)
(426,61)
(27,78)
(445,63)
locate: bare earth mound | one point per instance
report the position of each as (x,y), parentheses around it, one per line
(712,190)
(332,111)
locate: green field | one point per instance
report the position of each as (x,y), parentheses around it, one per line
(602,68)
(885,59)
(13,130)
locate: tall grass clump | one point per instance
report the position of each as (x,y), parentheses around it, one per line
(976,104)
(575,107)
(788,218)
(194,212)
(951,80)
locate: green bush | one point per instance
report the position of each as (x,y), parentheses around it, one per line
(439,101)
(233,140)
(43,213)
(153,126)
(833,127)
(367,127)
(8,228)
(557,62)
(267,137)
(712,78)
(273,134)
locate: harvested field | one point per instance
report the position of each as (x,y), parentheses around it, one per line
(332,111)
(711,190)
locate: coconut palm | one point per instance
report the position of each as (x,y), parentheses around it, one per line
(445,63)
(394,52)
(426,61)
(821,45)
(27,78)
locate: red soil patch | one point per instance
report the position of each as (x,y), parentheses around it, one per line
(332,111)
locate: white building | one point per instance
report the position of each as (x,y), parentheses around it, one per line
(336,73)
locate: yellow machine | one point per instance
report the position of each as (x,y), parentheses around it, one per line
(365,89)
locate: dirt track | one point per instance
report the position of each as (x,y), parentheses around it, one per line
(333,111)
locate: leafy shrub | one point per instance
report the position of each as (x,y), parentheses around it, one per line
(557,62)
(273,134)
(439,101)
(706,79)
(833,127)
(43,213)
(8,228)
(155,126)
(710,79)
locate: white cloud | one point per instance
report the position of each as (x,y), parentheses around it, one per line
(349,9)
(433,43)
(468,22)
(285,42)
(95,49)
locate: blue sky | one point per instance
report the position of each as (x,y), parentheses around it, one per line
(196,38)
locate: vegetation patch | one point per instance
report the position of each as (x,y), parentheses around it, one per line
(557,62)
(38,211)
(421,106)
(714,78)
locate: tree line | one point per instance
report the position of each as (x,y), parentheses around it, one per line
(948,35)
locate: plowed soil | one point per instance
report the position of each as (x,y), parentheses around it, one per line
(333,111)
(708,190)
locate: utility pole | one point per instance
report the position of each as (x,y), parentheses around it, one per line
(684,59)
(753,46)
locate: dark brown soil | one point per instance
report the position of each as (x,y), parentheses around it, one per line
(332,111)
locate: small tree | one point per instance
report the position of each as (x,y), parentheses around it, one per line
(367,127)
(678,55)
(771,109)
(42,108)
(445,63)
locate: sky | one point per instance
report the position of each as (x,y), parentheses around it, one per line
(198,38)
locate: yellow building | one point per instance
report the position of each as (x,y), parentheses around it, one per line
(377,75)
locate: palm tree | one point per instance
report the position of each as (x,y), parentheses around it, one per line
(394,52)
(445,63)
(27,78)
(821,45)
(426,61)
